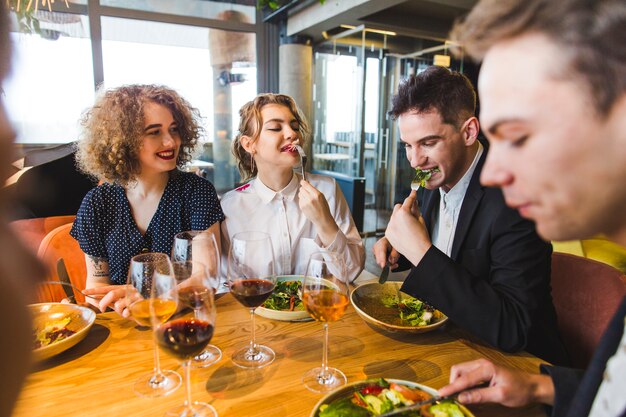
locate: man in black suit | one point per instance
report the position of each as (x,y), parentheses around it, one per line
(471,256)
(553,102)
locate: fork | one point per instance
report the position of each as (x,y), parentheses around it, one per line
(302,159)
(95,297)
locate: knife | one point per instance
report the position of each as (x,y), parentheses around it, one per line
(415,406)
(384,274)
(65,278)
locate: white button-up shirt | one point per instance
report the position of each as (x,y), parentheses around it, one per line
(450,204)
(255,207)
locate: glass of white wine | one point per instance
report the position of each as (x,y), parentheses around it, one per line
(325,297)
(151,287)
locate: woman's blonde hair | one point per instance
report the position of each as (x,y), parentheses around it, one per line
(250,122)
(113,128)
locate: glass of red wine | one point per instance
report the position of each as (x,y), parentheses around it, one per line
(150,286)
(187,333)
(200,246)
(251,279)
(325,297)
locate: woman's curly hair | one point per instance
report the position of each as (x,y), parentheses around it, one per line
(112,131)
(250,122)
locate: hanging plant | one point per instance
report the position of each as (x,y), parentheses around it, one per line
(25,12)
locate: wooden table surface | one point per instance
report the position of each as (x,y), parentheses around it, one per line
(95,377)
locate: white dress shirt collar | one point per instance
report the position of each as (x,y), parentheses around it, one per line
(266,194)
(455,196)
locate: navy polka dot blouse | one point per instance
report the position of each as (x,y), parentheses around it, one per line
(105,228)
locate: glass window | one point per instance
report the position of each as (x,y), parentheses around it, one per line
(215,70)
(198,8)
(51,81)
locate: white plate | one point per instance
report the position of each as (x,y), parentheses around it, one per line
(285,315)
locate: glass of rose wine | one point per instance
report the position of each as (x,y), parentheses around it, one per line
(187,333)
(200,246)
(325,297)
(251,279)
(146,271)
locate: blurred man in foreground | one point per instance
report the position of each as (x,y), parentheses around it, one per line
(553,104)
(18,268)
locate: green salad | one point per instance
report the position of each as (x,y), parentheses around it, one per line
(423,175)
(286,296)
(411,310)
(381,396)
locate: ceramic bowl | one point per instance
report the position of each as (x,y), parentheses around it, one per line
(81,320)
(367,301)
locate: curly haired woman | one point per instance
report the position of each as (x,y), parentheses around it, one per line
(134,140)
(301,216)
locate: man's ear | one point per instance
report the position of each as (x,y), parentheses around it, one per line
(472,129)
(247,144)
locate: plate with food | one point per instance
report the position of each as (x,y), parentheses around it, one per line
(385,307)
(379,396)
(57,327)
(285,303)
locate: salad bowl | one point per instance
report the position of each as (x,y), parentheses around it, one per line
(324,407)
(71,320)
(276,307)
(373,303)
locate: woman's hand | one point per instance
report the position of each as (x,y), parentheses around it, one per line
(506,386)
(315,207)
(114,296)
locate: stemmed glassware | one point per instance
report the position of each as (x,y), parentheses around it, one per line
(186,333)
(252,280)
(325,297)
(146,271)
(200,246)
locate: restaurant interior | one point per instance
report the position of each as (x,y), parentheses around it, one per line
(342,61)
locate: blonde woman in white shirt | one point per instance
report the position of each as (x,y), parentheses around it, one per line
(301,216)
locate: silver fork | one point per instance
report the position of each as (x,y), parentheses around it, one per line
(302,159)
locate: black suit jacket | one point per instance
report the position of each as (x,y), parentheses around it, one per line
(576,390)
(496,283)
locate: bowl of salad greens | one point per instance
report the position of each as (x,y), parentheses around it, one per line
(374,397)
(285,303)
(385,307)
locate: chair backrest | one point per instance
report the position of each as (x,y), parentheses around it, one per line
(58,244)
(33,231)
(586,294)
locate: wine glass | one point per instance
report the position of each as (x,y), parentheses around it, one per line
(251,279)
(200,246)
(146,271)
(185,334)
(325,297)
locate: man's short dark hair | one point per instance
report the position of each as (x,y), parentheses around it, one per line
(449,93)
(590,33)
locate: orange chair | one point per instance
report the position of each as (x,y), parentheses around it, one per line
(586,294)
(58,244)
(33,231)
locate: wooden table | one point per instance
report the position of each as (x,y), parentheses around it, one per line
(95,377)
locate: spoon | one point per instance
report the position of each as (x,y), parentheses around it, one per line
(302,159)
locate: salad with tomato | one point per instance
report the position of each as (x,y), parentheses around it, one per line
(381,396)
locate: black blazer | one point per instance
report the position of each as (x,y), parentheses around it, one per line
(496,284)
(575,390)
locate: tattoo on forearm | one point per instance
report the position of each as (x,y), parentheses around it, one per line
(100,266)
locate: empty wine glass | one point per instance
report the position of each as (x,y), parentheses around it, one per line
(200,246)
(146,271)
(186,333)
(252,280)
(325,297)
